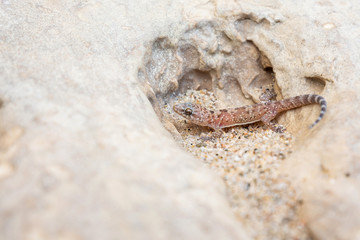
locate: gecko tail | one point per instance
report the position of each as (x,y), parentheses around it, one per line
(320,100)
(316,122)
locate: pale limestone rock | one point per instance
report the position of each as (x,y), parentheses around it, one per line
(83,155)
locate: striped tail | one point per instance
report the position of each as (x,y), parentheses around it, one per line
(320,100)
(299,101)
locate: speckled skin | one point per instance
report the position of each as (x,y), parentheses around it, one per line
(265,112)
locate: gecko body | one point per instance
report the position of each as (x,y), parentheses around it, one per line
(264,112)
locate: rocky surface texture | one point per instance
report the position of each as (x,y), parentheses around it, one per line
(90,148)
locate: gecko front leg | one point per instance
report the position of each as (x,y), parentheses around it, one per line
(217,133)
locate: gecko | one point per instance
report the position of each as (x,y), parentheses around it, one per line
(264,112)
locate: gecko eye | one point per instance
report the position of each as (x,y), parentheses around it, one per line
(188,111)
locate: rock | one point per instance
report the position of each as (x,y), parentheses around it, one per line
(83,152)
(83,155)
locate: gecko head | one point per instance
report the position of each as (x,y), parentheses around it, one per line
(193,112)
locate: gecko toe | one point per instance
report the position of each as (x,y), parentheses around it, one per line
(280,129)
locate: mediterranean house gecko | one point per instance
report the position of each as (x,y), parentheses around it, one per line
(264,112)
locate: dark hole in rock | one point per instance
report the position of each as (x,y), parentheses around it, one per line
(316,82)
(195,79)
(269,70)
